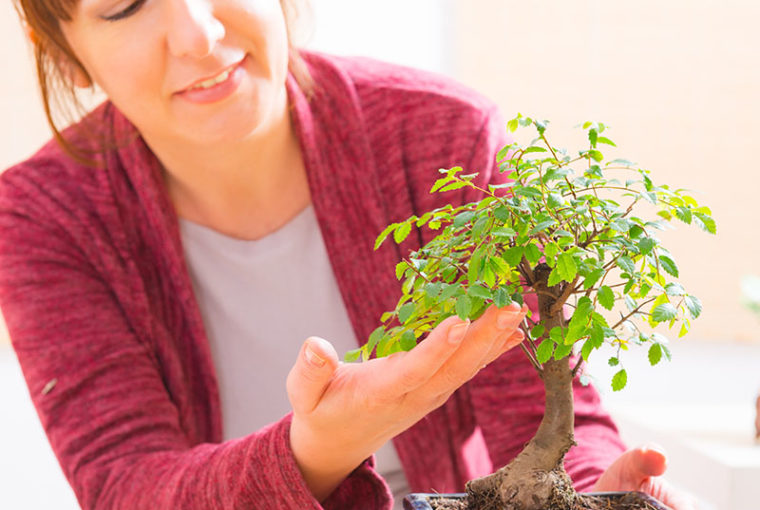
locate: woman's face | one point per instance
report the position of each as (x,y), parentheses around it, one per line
(186,70)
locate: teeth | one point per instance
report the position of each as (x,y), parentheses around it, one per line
(213,81)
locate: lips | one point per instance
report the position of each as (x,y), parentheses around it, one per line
(212,80)
(214,88)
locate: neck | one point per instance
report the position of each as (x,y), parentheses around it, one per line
(245,188)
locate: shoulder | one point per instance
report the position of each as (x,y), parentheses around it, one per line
(400,94)
(51,182)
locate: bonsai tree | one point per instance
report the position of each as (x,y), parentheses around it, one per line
(566,227)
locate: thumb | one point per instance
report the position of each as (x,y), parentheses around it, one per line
(312,372)
(633,469)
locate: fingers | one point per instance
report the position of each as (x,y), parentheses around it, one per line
(485,340)
(633,470)
(416,367)
(311,374)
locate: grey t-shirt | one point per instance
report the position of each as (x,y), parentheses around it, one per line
(259,301)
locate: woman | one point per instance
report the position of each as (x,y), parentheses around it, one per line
(163,259)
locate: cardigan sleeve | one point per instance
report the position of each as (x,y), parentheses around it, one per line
(100,396)
(508,396)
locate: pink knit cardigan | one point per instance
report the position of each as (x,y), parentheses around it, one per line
(101,312)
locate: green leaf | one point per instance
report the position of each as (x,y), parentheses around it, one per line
(440,183)
(408,341)
(565,267)
(449,291)
(694,306)
(664,312)
(384,234)
(502,213)
(537,331)
(463,306)
(532,253)
(501,297)
(596,155)
(503,233)
(557,335)
(705,222)
(588,346)
(613,361)
(542,226)
(626,264)
(645,245)
(606,140)
(352,355)
(562,351)
(405,312)
(668,265)
(606,297)
(619,380)
(544,350)
(512,125)
(400,268)
(374,337)
(655,354)
(514,255)
(674,289)
(462,218)
(479,291)
(402,232)
(433,289)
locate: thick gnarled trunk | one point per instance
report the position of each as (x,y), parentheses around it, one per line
(536,479)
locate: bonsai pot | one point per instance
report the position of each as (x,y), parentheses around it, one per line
(422,501)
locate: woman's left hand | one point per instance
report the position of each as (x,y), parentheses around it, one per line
(639,469)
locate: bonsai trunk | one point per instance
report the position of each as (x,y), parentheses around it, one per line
(536,478)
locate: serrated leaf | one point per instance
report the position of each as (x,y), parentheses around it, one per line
(606,140)
(501,213)
(402,232)
(563,350)
(514,255)
(544,350)
(606,297)
(645,245)
(352,355)
(626,264)
(534,149)
(501,297)
(542,226)
(532,253)
(400,268)
(655,354)
(405,312)
(694,306)
(512,125)
(503,232)
(664,312)
(479,291)
(674,289)
(407,341)
(449,291)
(588,346)
(454,186)
(433,289)
(619,380)
(440,183)
(566,267)
(537,331)
(705,222)
(463,306)
(462,218)
(613,361)
(668,265)
(384,234)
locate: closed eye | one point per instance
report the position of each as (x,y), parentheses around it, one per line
(130,10)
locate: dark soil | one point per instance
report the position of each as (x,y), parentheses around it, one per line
(628,501)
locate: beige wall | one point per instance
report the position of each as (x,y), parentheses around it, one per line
(677,80)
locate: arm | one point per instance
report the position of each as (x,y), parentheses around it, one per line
(102,396)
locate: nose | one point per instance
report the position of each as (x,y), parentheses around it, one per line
(192,28)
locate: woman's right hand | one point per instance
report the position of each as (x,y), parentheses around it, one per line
(343,413)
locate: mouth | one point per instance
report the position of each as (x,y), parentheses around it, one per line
(213,81)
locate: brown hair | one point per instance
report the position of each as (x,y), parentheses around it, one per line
(42,19)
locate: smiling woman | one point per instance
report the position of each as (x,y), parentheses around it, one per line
(162,296)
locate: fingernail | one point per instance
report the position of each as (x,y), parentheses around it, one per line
(457,332)
(507,319)
(313,358)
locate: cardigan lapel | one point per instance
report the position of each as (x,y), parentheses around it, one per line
(345,192)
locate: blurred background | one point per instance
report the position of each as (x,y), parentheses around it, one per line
(677,84)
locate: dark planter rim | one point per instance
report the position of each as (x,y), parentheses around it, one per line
(421,501)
